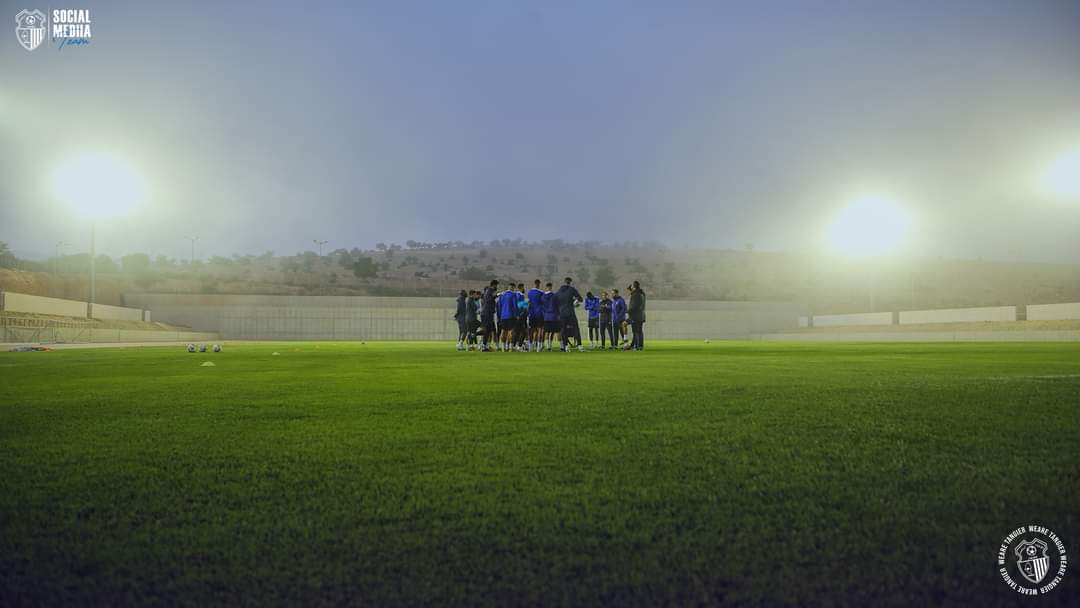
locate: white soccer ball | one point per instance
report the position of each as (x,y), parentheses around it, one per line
(708,341)
(217,348)
(202,348)
(190,348)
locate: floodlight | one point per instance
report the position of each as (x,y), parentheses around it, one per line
(97,185)
(1062,177)
(869,225)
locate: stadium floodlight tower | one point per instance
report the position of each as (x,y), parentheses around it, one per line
(96,186)
(870,226)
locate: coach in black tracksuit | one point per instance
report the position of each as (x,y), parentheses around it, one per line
(636,310)
(567,296)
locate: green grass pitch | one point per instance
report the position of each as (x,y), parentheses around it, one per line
(411,474)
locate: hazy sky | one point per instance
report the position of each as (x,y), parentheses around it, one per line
(262,125)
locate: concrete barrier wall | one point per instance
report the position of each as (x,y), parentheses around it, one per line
(958,315)
(117,313)
(255,317)
(1053,312)
(21,302)
(926,336)
(865,318)
(82,335)
(39,305)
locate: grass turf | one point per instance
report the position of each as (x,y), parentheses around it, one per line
(411,474)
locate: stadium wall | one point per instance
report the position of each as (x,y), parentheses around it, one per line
(117,313)
(88,335)
(925,336)
(865,318)
(265,317)
(1053,312)
(40,305)
(957,315)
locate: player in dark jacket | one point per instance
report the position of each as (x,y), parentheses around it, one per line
(472,310)
(606,329)
(637,316)
(487,314)
(569,297)
(460,315)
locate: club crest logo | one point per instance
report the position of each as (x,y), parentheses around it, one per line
(30,28)
(1032,560)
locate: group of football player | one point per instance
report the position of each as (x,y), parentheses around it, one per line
(540,319)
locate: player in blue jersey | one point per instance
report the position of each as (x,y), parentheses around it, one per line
(618,318)
(592,307)
(507,317)
(536,316)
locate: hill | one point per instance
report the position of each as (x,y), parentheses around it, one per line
(825,284)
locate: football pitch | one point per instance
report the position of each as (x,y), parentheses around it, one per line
(411,474)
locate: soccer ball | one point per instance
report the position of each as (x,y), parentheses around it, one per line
(217,348)
(202,348)
(190,348)
(707,341)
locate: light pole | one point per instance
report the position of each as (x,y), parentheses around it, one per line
(96,185)
(320,244)
(192,239)
(93,254)
(56,258)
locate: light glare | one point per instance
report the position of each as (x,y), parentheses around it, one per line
(97,185)
(1063,176)
(870,225)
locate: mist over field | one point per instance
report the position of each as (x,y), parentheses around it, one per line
(700,124)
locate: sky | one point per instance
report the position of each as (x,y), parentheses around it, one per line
(266,125)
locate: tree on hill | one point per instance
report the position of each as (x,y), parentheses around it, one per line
(667,274)
(475,274)
(7,257)
(346,259)
(135,262)
(364,268)
(605,276)
(105,264)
